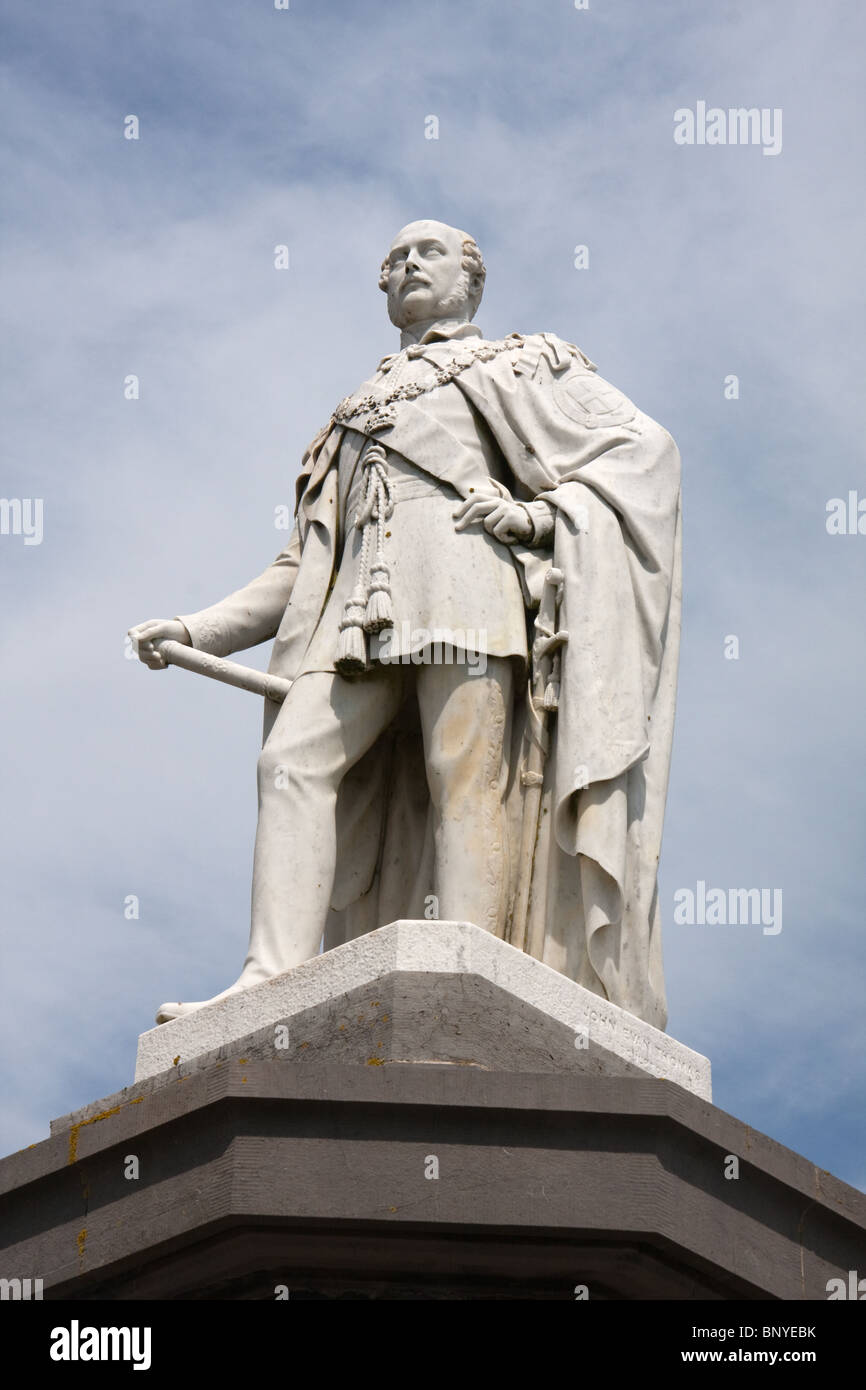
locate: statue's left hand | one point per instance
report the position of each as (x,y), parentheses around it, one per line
(507,521)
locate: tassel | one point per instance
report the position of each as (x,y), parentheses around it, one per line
(380,613)
(352,657)
(551,695)
(352,654)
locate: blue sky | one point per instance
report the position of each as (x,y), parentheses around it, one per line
(155,257)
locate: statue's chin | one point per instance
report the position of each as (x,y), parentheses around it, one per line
(406,314)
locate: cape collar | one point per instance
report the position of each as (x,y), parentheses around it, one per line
(445,334)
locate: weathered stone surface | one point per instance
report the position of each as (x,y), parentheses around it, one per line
(318,1178)
(425,991)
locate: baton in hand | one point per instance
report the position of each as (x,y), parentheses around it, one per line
(274,688)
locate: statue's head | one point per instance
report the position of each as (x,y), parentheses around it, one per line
(432,271)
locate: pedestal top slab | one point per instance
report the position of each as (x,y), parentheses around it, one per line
(425,991)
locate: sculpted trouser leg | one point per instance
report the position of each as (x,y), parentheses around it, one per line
(466,722)
(324,726)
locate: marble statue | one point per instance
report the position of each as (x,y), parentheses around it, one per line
(476,620)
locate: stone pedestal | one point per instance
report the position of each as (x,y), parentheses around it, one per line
(444,992)
(423,1113)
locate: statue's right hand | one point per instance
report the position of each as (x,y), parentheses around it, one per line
(157,630)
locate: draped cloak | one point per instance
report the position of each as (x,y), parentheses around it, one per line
(613,476)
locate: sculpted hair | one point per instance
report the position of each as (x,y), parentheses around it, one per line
(472,263)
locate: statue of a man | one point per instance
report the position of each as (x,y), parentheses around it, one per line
(392,779)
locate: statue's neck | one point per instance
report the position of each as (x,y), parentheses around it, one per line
(415,332)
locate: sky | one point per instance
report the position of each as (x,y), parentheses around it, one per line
(154,257)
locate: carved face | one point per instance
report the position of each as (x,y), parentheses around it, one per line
(426,277)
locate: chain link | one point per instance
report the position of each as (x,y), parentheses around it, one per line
(381,413)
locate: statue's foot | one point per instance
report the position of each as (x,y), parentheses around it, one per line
(167,1012)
